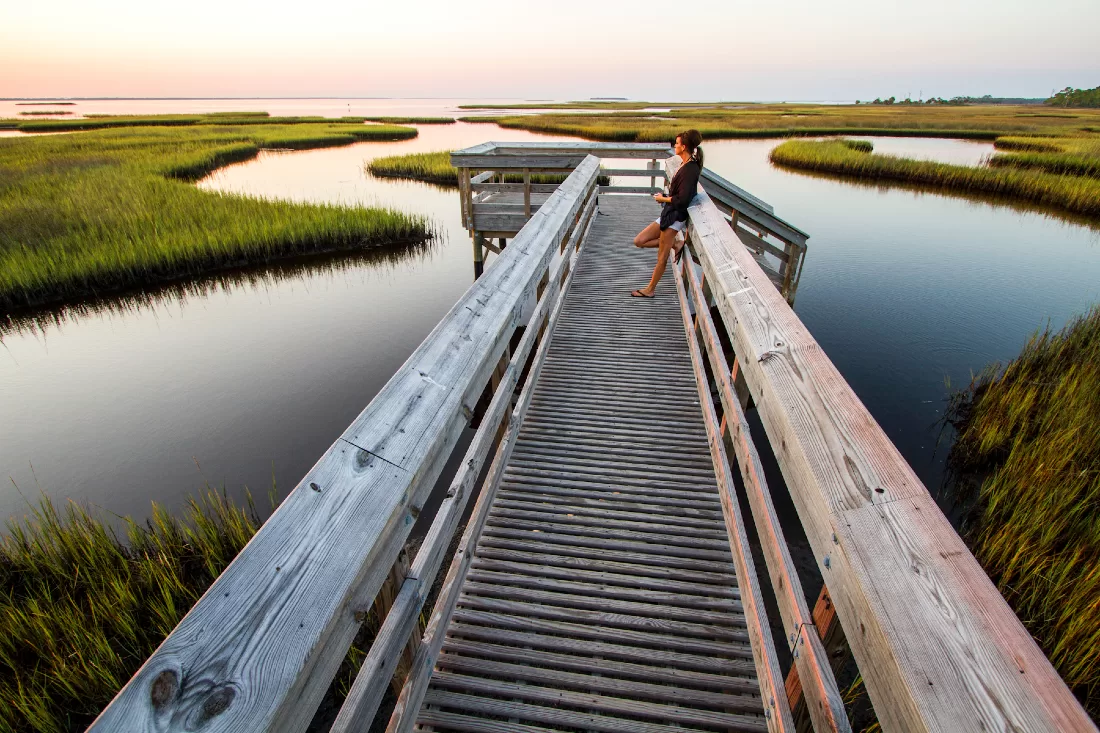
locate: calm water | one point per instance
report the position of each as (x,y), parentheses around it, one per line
(234,381)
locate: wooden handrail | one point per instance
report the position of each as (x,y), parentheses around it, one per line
(412,694)
(370,684)
(259,649)
(773,695)
(937,645)
(825,704)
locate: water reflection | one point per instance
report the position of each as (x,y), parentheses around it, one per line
(243,376)
(222,283)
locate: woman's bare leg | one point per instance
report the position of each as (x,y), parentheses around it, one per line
(668,238)
(648,237)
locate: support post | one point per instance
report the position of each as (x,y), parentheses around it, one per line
(652,165)
(527,192)
(479,254)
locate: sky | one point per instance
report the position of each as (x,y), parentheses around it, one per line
(565,49)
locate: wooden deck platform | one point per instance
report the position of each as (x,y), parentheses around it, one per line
(602,595)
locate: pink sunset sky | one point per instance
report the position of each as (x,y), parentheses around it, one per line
(784,49)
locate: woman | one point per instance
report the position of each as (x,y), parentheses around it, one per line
(662,232)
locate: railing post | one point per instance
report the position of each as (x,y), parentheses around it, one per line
(828,628)
(465,197)
(383,602)
(652,165)
(527,192)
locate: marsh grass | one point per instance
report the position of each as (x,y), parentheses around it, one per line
(860,146)
(1028,454)
(99,122)
(112,209)
(1075,156)
(46,112)
(435,167)
(83,607)
(1074,194)
(720,120)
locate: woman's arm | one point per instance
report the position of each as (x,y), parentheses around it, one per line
(687,183)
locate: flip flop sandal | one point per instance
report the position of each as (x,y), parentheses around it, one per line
(639,294)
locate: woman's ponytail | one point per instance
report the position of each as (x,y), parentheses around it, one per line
(692,140)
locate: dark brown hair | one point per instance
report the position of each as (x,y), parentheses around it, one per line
(693,140)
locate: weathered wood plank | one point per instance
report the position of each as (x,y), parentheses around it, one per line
(650,672)
(616,706)
(599,682)
(936,643)
(638,631)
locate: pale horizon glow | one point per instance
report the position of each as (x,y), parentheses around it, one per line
(783,50)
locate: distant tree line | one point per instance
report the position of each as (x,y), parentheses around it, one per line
(1070,97)
(957,101)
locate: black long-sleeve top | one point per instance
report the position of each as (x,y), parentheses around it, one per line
(681,190)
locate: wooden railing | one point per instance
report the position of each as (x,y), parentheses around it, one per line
(261,647)
(937,645)
(495,206)
(761,231)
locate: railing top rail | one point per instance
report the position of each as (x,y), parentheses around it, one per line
(550,155)
(259,649)
(567,154)
(938,646)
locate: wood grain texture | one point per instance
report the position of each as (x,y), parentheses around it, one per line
(936,643)
(258,650)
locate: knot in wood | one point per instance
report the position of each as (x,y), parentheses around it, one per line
(217,702)
(164,688)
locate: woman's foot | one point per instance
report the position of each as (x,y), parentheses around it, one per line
(640,293)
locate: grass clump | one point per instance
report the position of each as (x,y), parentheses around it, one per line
(113,209)
(1074,156)
(435,167)
(1074,194)
(82,608)
(1029,445)
(860,146)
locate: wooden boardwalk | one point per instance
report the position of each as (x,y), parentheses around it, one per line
(602,594)
(604,580)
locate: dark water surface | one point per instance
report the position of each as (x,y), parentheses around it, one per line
(236,380)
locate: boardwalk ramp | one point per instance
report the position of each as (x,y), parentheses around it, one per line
(602,594)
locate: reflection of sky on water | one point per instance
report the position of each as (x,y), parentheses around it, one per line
(236,379)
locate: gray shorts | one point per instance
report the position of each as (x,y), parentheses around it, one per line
(676,226)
